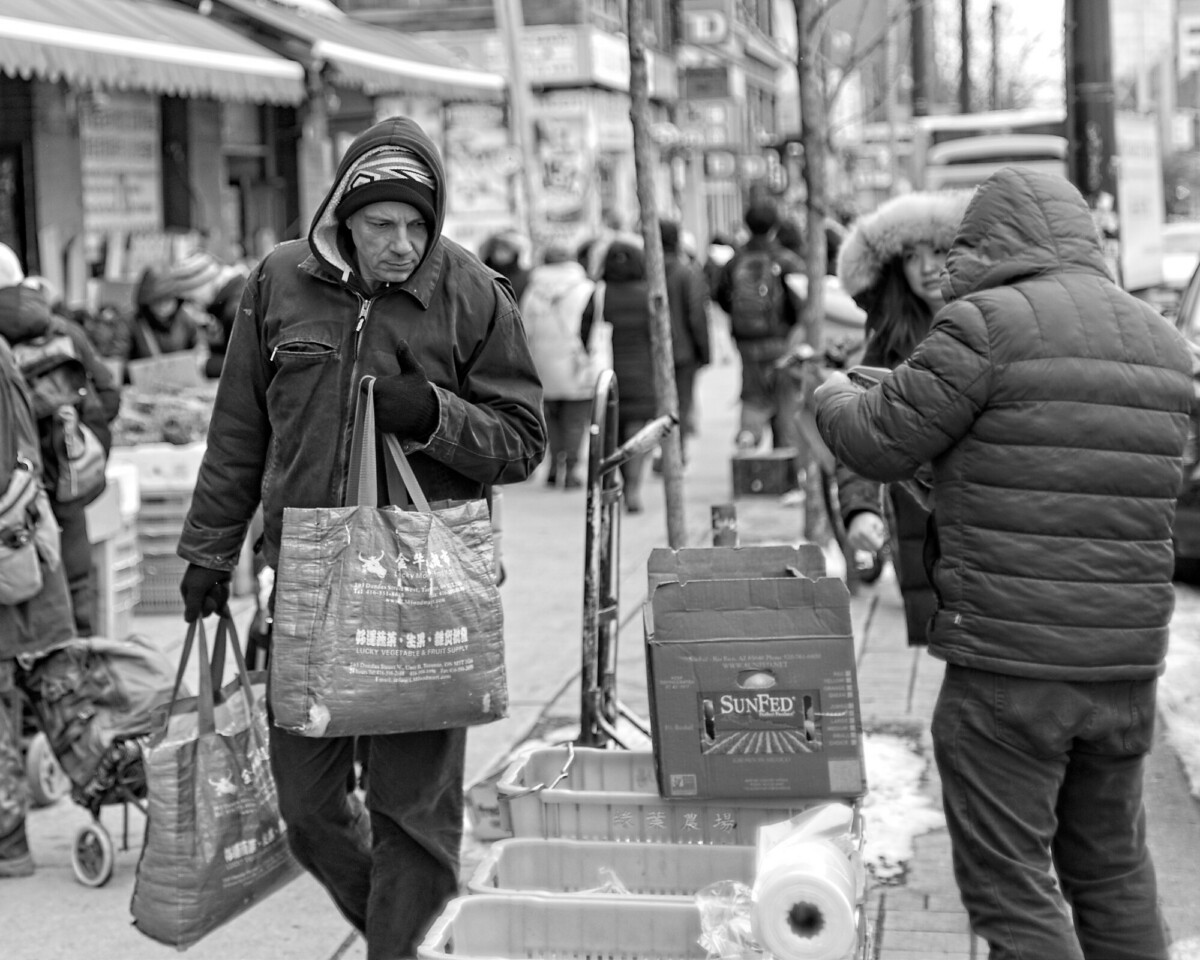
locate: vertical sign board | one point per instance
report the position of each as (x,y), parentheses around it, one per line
(481,165)
(119,135)
(1139,186)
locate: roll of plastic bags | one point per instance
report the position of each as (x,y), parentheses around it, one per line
(807,881)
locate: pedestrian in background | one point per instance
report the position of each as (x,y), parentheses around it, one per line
(30,628)
(214,290)
(552,309)
(504,252)
(162,323)
(1053,408)
(55,351)
(752,289)
(687,299)
(891,264)
(375,289)
(623,300)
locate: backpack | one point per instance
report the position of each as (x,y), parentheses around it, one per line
(756,297)
(74,457)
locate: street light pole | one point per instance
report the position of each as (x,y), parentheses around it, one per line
(510,22)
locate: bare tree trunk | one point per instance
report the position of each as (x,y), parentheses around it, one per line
(812,139)
(644,154)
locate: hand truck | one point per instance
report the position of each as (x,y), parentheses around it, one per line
(599,706)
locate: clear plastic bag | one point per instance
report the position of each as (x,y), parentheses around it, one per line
(725,924)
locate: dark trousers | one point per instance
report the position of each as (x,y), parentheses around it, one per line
(77,563)
(566,423)
(389,865)
(1043,778)
(770,398)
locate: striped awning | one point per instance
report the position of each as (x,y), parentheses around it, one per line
(375,59)
(141,45)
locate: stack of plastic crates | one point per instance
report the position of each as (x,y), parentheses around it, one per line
(600,865)
(166,475)
(116,552)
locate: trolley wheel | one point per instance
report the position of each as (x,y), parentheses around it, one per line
(92,855)
(48,782)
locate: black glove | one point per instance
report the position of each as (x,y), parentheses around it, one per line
(405,403)
(205,591)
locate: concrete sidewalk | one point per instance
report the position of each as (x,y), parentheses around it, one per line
(52,917)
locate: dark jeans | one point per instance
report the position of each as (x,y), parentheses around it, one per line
(566,423)
(1043,778)
(392,865)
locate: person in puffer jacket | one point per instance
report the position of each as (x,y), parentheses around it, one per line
(891,264)
(375,289)
(1052,408)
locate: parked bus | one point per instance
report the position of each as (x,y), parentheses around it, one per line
(963,150)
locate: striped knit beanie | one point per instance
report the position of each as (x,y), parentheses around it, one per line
(388,174)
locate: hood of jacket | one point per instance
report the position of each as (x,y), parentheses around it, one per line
(1019,225)
(883,235)
(329,240)
(24,313)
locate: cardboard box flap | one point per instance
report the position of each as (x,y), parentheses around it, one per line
(760,609)
(732,563)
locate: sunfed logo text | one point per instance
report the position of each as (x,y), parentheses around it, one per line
(759,705)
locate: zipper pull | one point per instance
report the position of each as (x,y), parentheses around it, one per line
(364,306)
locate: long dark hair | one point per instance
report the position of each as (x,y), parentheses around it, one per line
(897,319)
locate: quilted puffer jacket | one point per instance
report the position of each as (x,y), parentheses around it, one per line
(1053,408)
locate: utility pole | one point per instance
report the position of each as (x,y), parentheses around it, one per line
(964,39)
(510,22)
(920,58)
(994,25)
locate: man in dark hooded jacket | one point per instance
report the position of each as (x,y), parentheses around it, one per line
(376,289)
(1053,409)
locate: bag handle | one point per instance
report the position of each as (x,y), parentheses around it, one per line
(363,484)
(204,701)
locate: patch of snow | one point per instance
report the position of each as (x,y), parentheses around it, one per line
(1186,949)
(897,807)
(1179,686)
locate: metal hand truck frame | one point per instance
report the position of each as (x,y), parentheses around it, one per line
(600,708)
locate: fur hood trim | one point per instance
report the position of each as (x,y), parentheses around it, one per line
(882,235)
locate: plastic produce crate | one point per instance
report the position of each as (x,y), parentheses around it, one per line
(590,794)
(116,565)
(595,868)
(159,591)
(502,927)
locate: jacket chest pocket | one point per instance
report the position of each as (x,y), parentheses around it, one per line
(298,352)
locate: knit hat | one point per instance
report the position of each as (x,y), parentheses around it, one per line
(190,276)
(879,237)
(154,285)
(11,272)
(388,173)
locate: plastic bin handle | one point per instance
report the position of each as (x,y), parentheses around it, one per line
(437,938)
(562,775)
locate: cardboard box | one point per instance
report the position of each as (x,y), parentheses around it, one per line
(753,690)
(766,560)
(772,473)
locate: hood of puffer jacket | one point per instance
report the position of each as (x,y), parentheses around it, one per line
(553,281)
(879,237)
(24,313)
(1021,224)
(329,240)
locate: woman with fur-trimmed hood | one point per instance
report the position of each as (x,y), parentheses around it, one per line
(891,264)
